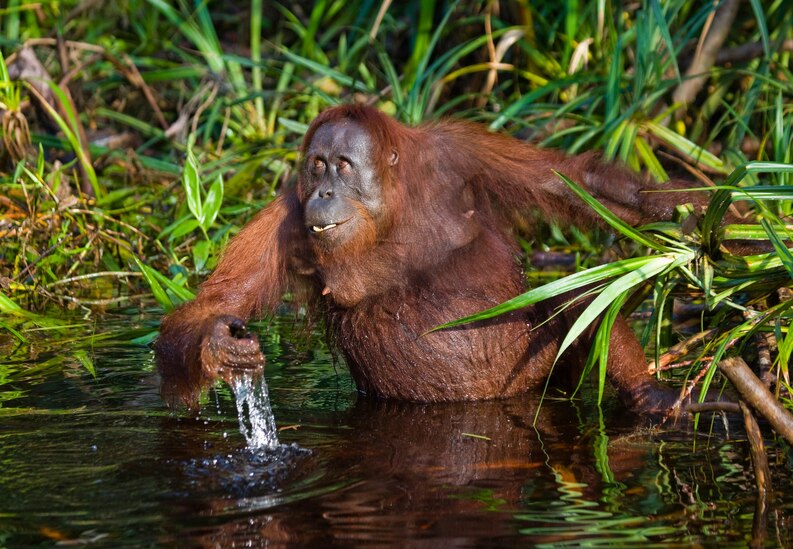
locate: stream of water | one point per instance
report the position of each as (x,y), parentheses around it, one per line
(255,414)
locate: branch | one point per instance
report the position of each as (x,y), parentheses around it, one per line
(679,350)
(762,475)
(747,52)
(757,396)
(713,406)
(715,35)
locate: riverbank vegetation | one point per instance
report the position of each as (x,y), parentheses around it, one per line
(139,136)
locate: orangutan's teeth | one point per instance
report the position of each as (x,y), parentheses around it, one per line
(318,229)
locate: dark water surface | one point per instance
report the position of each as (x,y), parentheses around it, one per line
(98,461)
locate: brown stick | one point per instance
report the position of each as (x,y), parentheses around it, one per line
(680,350)
(762,475)
(745,52)
(765,342)
(757,396)
(715,35)
(713,406)
(379,19)
(759,457)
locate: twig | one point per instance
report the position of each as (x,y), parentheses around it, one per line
(492,74)
(93,234)
(379,19)
(45,254)
(70,43)
(713,406)
(753,392)
(495,54)
(680,350)
(686,393)
(127,67)
(678,364)
(99,302)
(180,124)
(746,52)
(695,172)
(223,129)
(77,69)
(116,274)
(205,105)
(764,363)
(715,35)
(107,217)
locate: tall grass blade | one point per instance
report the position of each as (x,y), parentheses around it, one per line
(663,28)
(608,216)
(557,287)
(759,14)
(618,289)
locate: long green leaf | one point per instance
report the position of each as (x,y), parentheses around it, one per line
(156,282)
(779,246)
(156,289)
(557,287)
(192,186)
(759,13)
(214,200)
(618,290)
(324,70)
(730,191)
(10,307)
(685,146)
(602,340)
(70,130)
(612,219)
(88,363)
(663,27)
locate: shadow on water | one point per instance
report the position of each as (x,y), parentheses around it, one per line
(98,461)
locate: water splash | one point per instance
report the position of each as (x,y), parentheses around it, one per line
(257,423)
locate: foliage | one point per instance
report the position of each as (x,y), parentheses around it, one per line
(155,128)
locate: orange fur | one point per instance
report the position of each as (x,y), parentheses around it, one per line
(443,249)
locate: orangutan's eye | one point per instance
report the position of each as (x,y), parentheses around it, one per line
(318,166)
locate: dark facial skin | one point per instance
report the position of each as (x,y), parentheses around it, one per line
(340,182)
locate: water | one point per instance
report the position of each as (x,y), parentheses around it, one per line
(257,423)
(98,461)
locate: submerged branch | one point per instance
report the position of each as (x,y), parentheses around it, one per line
(759,458)
(762,475)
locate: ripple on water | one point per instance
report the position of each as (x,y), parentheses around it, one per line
(244,473)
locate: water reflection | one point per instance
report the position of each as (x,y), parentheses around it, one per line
(99,460)
(389,473)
